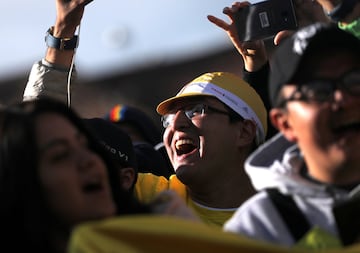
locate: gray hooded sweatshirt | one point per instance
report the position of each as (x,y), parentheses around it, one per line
(277,164)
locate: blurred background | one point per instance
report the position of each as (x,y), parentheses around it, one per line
(133,52)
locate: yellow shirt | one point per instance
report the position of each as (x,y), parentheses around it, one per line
(149,185)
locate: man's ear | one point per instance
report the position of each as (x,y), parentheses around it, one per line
(247,132)
(127,177)
(279,117)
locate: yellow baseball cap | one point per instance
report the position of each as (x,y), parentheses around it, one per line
(229,89)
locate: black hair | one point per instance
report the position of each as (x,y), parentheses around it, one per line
(24,211)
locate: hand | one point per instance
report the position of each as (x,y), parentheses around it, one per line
(68,16)
(329,5)
(169,203)
(253,52)
(282,35)
(307,12)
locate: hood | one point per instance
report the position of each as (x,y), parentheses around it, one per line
(277,163)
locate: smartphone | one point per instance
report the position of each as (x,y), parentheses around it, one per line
(262,20)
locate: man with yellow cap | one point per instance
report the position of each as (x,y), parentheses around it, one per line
(211,126)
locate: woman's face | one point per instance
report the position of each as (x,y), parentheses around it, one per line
(74,178)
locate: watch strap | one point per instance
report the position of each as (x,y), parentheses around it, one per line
(342,10)
(60,43)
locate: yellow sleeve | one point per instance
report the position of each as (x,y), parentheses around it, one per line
(177,186)
(149,185)
(163,234)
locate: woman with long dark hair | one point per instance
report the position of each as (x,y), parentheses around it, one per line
(53,176)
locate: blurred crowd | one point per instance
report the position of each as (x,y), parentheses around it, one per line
(263,162)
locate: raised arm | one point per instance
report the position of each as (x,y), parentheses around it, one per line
(68,18)
(253,52)
(49,77)
(345,12)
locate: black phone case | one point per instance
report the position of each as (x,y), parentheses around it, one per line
(264,19)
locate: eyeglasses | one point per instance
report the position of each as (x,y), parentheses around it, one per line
(322,90)
(191,112)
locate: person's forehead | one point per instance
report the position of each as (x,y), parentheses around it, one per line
(52,128)
(183,102)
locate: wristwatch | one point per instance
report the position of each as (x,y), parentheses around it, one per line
(342,10)
(60,43)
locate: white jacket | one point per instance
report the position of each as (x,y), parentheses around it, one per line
(46,79)
(278,164)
